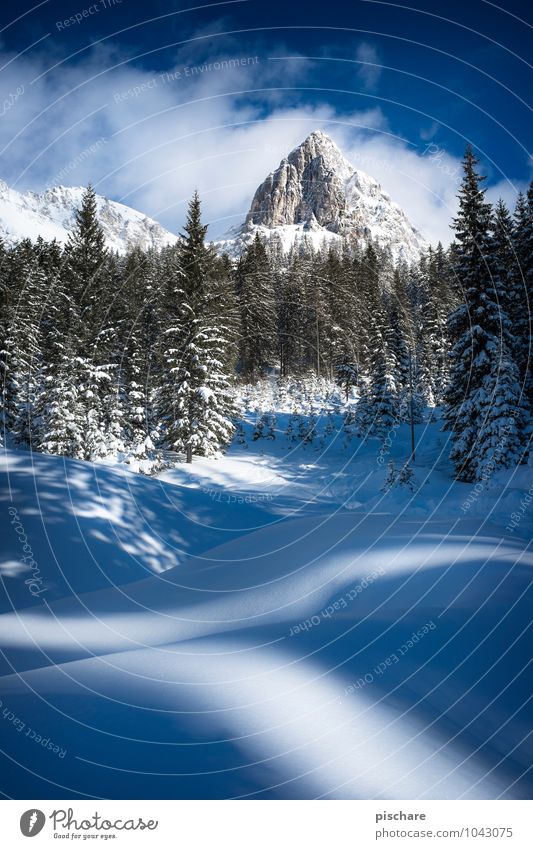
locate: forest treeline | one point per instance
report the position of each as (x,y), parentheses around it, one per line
(137,355)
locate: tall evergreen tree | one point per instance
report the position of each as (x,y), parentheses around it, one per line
(198,398)
(292,320)
(377,409)
(142,301)
(84,267)
(433,307)
(63,419)
(400,338)
(255,292)
(522,307)
(483,403)
(23,346)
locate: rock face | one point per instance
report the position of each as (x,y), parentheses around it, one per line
(307,188)
(316,192)
(51,215)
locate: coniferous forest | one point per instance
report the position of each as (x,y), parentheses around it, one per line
(138,356)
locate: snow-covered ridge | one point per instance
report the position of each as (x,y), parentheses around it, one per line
(50,214)
(317,193)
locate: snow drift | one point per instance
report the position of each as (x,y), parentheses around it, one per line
(219,633)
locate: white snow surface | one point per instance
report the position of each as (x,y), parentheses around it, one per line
(51,214)
(190,640)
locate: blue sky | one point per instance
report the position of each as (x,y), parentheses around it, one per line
(152,100)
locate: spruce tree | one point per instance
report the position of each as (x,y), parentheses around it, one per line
(377,408)
(483,403)
(522,290)
(142,276)
(433,307)
(198,397)
(25,293)
(5,299)
(84,274)
(399,336)
(63,419)
(255,292)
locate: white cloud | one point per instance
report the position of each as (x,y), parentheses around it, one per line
(220,128)
(422,180)
(369,70)
(507,190)
(428,132)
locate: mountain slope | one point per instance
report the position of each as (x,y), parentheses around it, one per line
(51,214)
(315,192)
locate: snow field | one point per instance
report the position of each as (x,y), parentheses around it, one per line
(163,653)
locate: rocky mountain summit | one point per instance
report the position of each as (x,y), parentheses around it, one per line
(315,192)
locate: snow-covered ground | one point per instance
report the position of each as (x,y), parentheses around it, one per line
(266,624)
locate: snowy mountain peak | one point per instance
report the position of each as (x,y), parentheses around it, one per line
(317,192)
(318,144)
(51,213)
(306,188)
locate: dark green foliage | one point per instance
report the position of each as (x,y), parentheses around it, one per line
(484,404)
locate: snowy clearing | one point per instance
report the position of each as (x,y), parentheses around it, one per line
(266,624)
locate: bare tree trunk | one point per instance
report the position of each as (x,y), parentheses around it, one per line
(411,416)
(317,339)
(188,452)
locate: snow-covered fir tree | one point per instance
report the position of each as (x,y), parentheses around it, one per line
(400,340)
(63,418)
(23,347)
(257,304)
(198,404)
(433,307)
(84,272)
(522,306)
(484,407)
(377,408)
